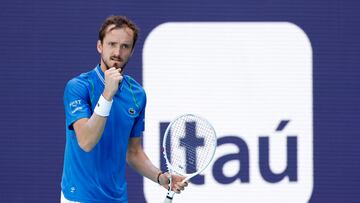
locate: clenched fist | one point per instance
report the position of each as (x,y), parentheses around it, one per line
(113,78)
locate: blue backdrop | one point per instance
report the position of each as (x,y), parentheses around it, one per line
(45,43)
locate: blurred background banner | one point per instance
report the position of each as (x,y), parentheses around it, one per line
(247,79)
(280,81)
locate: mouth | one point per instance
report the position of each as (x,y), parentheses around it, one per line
(117,62)
(116,59)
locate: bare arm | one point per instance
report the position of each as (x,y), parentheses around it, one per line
(89,130)
(138,160)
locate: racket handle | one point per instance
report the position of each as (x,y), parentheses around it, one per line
(168,199)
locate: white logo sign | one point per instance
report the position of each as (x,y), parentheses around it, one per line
(253,82)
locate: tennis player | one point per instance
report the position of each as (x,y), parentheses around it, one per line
(105,112)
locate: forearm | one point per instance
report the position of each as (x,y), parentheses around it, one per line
(89,131)
(142,164)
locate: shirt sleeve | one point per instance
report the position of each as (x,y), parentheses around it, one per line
(76,102)
(139,125)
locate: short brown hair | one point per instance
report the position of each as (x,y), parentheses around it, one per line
(119,22)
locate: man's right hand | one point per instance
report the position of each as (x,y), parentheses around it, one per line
(113,78)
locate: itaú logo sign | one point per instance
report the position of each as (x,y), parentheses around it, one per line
(253,82)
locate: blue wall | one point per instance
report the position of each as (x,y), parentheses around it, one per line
(45,43)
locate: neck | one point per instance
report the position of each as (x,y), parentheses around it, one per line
(103,67)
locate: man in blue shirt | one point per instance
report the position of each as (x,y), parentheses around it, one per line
(104,122)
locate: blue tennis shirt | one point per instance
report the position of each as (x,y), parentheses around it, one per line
(99,175)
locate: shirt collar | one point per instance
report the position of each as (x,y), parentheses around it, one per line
(100,74)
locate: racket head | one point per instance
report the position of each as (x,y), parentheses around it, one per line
(189,145)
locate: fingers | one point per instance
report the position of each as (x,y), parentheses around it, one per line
(178,188)
(112,79)
(179,185)
(113,74)
(113,69)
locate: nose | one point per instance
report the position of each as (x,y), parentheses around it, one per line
(117,51)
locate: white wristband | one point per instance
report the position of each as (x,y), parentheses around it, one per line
(103,107)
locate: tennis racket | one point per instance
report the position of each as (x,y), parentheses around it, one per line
(189,145)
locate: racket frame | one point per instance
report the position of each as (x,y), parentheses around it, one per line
(171,169)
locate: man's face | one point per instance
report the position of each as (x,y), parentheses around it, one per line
(116,48)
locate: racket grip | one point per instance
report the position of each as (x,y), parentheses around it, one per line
(168,199)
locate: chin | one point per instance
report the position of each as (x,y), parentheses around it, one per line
(115,65)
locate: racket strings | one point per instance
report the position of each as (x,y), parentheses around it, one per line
(190,144)
(196,156)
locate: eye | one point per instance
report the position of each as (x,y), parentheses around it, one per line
(125,46)
(112,44)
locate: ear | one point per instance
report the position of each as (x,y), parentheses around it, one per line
(99,46)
